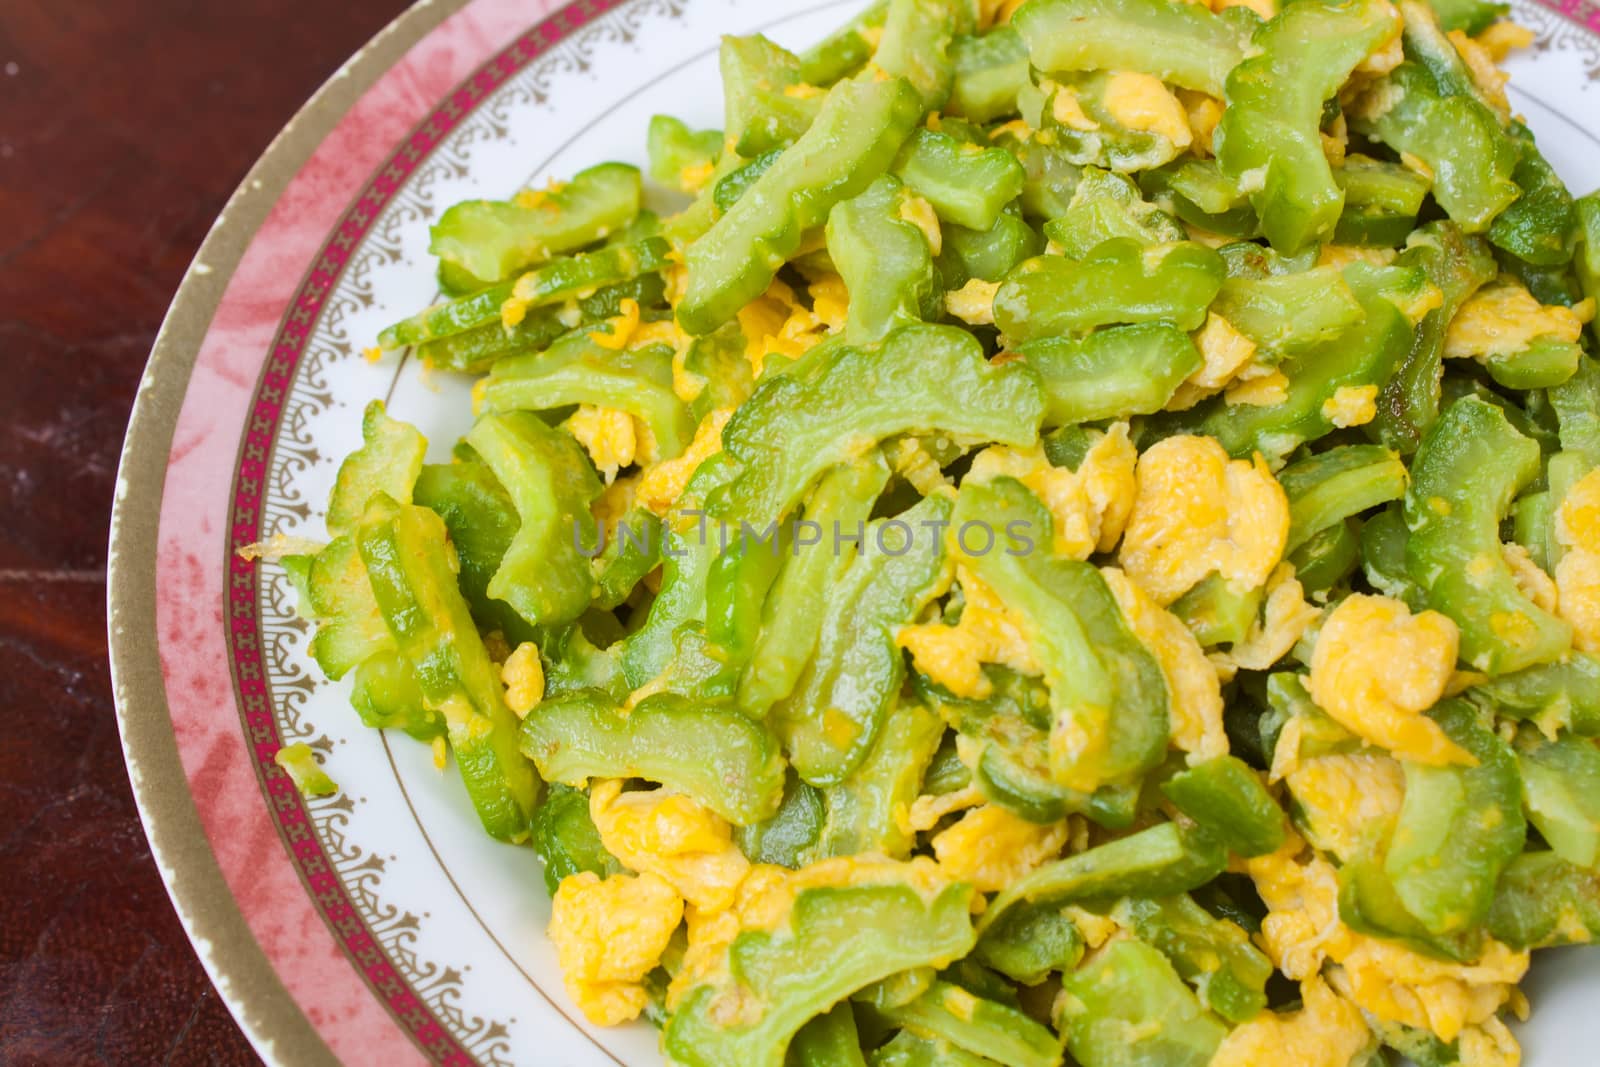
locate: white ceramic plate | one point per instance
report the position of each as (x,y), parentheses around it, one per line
(381,925)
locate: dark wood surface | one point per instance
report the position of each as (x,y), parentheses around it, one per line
(124,126)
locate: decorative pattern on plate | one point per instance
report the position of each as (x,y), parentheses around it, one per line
(1566,25)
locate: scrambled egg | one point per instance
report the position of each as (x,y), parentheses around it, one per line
(1195,695)
(1376,668)
(1351,405)
(608,935)
(1504,319)
(987,632)
(1302,932)
(622,327)
(1343,255)
(1067,109)
(1143,102)
(1503,37)
(1577,529)
(830,301)
(973,303)
(777,322)
(1344,795)
(523,676)
(1195,512)
(990,848)
(1260,392)
(920,213)
(608,435)
(926,811)
(1489,78)
(663,483)
(1224,352)
(671,836)
(1327,1031)
(1285,618)
(1204,113)
(1531,579)
(1089,507)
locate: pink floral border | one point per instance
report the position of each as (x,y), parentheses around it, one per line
(1584,12)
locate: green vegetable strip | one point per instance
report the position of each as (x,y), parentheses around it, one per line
(855,137)
(1459,265)
(1105,687)
(1469,468)
(1543,901)
(576,370)
(544,575)
(1460,140)
(792,617)
(836,713)
(674,149)
(1214,955)
(566,839)
(1458,828)
(884,260)
(965,184)
(1331,486)
(916,45)
(491,240)
(1127,1006)
(990,70)
(388,461)
(759,115)
(1365,354)
(1561,791)
(846,50)
(1112,373)
(922,379)
(1268,139)
(1178,42)
(836,942)
(984,1027)
(1227,797)
(1119,281)
(554,283)
(718,757)
(406,554)
(865,810)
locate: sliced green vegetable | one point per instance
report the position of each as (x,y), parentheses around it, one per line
(837,940)
(1469,468)
(722,759)
(491,240)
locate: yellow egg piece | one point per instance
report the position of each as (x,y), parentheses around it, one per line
(1376,668)
(608,935)
(990,847)
(1327,1031)
(987,632)
(670,835)
(1195,512)
(1504,318)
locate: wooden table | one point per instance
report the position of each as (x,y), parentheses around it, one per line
(124,126)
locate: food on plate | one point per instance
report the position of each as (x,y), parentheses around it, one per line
(1066,528)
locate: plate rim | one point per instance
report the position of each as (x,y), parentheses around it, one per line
(234,961)
(214,922)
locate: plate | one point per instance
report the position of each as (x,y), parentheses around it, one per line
(381,924)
